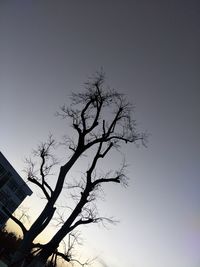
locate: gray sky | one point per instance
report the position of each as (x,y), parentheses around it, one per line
(149,51)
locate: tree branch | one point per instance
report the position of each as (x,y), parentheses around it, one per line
(63,256)
(36,182)
(79,222)
(18,222)
(48,219)
(107,180)
(83,114)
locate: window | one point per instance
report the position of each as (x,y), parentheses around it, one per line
(4,176)
(3,218)
(3,180)
(12,184)
(2,170)
(4,197)
(11,205)
(20,194)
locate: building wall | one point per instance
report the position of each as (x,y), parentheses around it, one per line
(13,189)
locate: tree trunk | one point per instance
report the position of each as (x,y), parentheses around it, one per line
(23,251)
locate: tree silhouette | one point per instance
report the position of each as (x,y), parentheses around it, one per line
(102,119)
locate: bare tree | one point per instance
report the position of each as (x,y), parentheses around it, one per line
(102,119)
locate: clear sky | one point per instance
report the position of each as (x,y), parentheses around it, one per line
(149,50)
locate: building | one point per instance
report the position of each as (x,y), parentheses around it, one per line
(13,189)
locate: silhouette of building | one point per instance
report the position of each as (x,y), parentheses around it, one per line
(13,189)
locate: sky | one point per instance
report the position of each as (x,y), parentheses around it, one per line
(149,50)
